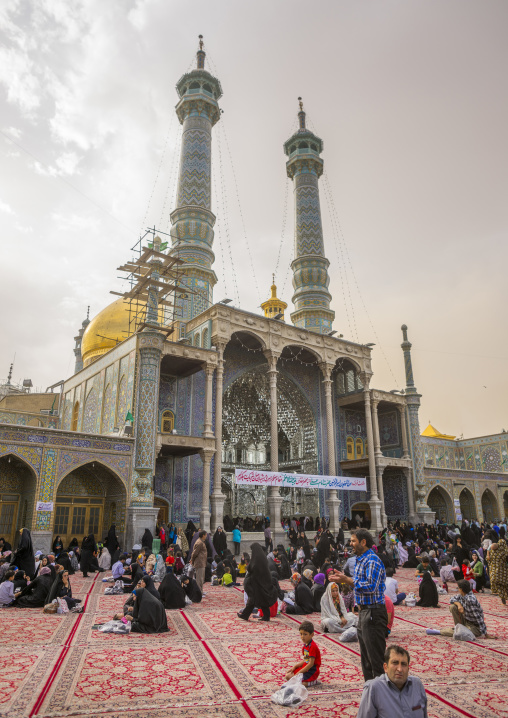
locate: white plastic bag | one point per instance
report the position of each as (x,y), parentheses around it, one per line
(349,635)
(291,693)
(462,633)
(115,627)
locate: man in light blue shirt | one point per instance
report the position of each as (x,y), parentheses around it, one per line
(395,694)
(118,567)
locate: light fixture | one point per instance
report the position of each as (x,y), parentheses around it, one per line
(278,316)
(225,301)
(370,345)
(330,334)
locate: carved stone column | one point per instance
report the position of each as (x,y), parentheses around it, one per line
(207,429)
(274,498)
(217,499)
(375,503)
(378,454)
(204,516)
(403,431)
(408,473)
(332,500)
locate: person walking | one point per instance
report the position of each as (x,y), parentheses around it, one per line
(237,539)
(199,558)
(369,582)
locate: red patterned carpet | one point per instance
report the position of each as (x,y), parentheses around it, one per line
(211,664)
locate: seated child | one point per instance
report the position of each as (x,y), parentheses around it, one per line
(311,657)
(468,574)
(242,566)
(227,578)
(170,560)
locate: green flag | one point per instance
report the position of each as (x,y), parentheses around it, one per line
(150,245)
(129,416)
(163,246)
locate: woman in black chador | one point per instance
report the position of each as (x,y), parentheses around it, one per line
(111,543)
(220,542)
(258,585)
(149,615)
(88,548)
(147,540)
(171,592)
(24,557)
(36,593)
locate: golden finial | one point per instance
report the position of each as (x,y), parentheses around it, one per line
(200,42)
(273,278)
(300,101)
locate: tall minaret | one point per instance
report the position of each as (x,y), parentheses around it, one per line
(413,406)
(77,347)
(310,266)
(192,220)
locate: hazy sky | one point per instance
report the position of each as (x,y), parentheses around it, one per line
(411,101)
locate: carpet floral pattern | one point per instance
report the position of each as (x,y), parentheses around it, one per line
(212,665)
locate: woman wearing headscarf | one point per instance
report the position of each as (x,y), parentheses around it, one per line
(190,530)
(136,575)
(20,581)
(304,600)
(112,545)
(477,568)
(88,548)
(220,542)
(105,559)
(57,546)
(73,546)
(160,569)
(65,562)
(181,540)
(61,588)
(284,567)
(318,590)
(258,585)
(334,616)
(191,588)
(429,597)
(323,550)
(149,615)
(147,540)
(171,592)
(147,582)
(36,593)
(74,561)
(498,569)
(24,557)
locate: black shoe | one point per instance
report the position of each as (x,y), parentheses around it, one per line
(266,620)
(240,615)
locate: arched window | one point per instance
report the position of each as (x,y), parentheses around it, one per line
(197,342)
(350,446)
(204,343)
(207,88)
(75,414)
(359,449)
(194,86)
(112,513)
(168,422)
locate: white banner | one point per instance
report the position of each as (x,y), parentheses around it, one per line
(44,506)
(300,481)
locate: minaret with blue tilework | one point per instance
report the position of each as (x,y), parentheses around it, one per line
(192,220)
(310,266)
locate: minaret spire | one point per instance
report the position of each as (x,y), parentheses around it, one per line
(310,266)
(192,220)
(78,339)
(413,406)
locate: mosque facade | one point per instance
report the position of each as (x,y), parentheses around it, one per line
(153,425)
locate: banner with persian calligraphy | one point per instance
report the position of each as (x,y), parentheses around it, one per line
(300,481)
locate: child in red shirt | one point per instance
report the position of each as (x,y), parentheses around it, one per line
(311,657)
(170,560)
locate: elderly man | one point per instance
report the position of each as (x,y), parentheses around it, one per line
(395,694)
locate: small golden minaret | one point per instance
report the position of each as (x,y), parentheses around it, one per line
(274,306)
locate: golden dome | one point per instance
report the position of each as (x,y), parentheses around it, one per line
(274,306)
(106,330)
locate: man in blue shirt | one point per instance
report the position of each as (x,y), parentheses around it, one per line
(369,589)
(119,567)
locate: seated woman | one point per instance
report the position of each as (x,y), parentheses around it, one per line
(191,588)
(105,559)
(36,593)
(136,574)
(334,617)
(318,589)
(429,597)
(171,592)
(61,588)
(64,560)
(147,582)
(304,600)
(20,581)
(149,615)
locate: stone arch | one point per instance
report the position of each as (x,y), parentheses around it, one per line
(347,377)
(205,343)
(75,416)
(490,508)
(164,509)
(441,503)
(467,504)
(197,339)
(298,352)
(249,339)
(84,497)
(18,489)
(246,428)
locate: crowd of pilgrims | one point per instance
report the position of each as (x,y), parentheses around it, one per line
(164,578)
